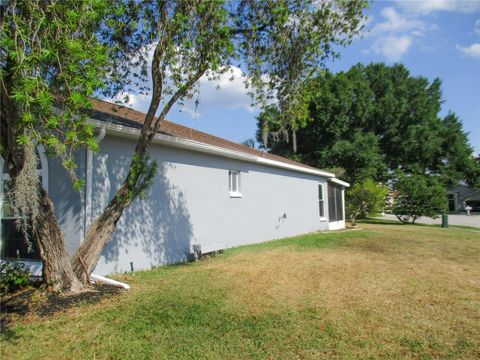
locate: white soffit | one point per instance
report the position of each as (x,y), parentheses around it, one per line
(211,149)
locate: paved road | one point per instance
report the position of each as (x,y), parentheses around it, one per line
(472,220)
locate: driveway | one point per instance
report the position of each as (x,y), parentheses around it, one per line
(454,219)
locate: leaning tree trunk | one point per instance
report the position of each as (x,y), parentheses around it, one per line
(98,235)
(101,230)
(57,270)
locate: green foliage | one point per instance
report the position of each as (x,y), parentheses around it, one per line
(280,46)
(365,198)
(14,275)
(374,119)
(58,54)
(417,195)
(289,43)
(457,162)
(52,58)
(142,172)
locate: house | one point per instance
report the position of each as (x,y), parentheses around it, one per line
(209,194)
(462,196)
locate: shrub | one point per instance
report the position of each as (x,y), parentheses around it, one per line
(365,198)
(418,195)
(14,275)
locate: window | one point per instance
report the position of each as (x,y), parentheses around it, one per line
(234,183)
(321,202)
(13,244)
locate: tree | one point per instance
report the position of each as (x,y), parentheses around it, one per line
(374,119)
(50,58)
(365,198)
(457,161)
(280,44)
(251,143)
(417,195)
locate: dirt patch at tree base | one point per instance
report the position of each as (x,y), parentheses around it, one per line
(34,303)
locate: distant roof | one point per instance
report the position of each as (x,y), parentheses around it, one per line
(121,115)
(464,192)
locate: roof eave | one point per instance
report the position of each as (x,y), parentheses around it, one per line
(207,148)
(339,182)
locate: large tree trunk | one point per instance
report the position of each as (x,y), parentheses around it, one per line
(101,230)
(57,270)
(98,235)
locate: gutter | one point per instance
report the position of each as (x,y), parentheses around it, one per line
(339,182)
(209,149)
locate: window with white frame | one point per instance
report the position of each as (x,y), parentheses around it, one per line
(234,183)
(321,201)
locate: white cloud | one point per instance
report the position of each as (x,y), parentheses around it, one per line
(403,26)
(472,50)
(396,22)
(395,33)
(418,33)
(392,47)
(429,6)
(228,92)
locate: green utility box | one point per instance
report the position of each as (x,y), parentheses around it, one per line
(444,220)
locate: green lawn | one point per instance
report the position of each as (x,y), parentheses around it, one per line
(384,291)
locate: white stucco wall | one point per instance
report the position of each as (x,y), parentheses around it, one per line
(189,203)
(68,203)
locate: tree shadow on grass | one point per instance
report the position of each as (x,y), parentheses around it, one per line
(33,303)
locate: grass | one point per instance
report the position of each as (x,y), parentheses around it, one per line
(384,291)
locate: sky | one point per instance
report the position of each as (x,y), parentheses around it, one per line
(434,38)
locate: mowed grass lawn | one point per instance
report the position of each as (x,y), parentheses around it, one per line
(384,291)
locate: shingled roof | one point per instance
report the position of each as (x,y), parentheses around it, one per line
(121,115)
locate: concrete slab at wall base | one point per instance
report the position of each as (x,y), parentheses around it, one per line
(336,225)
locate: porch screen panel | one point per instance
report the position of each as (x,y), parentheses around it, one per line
(335,202)
(331,203)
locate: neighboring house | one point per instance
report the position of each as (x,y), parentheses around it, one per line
(209,194)
(463,196)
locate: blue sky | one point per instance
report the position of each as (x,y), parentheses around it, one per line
(436,38)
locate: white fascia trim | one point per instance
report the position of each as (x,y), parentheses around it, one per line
(339,182)
(209,149)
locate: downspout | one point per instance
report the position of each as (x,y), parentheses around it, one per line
(88,183)
(104,280)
